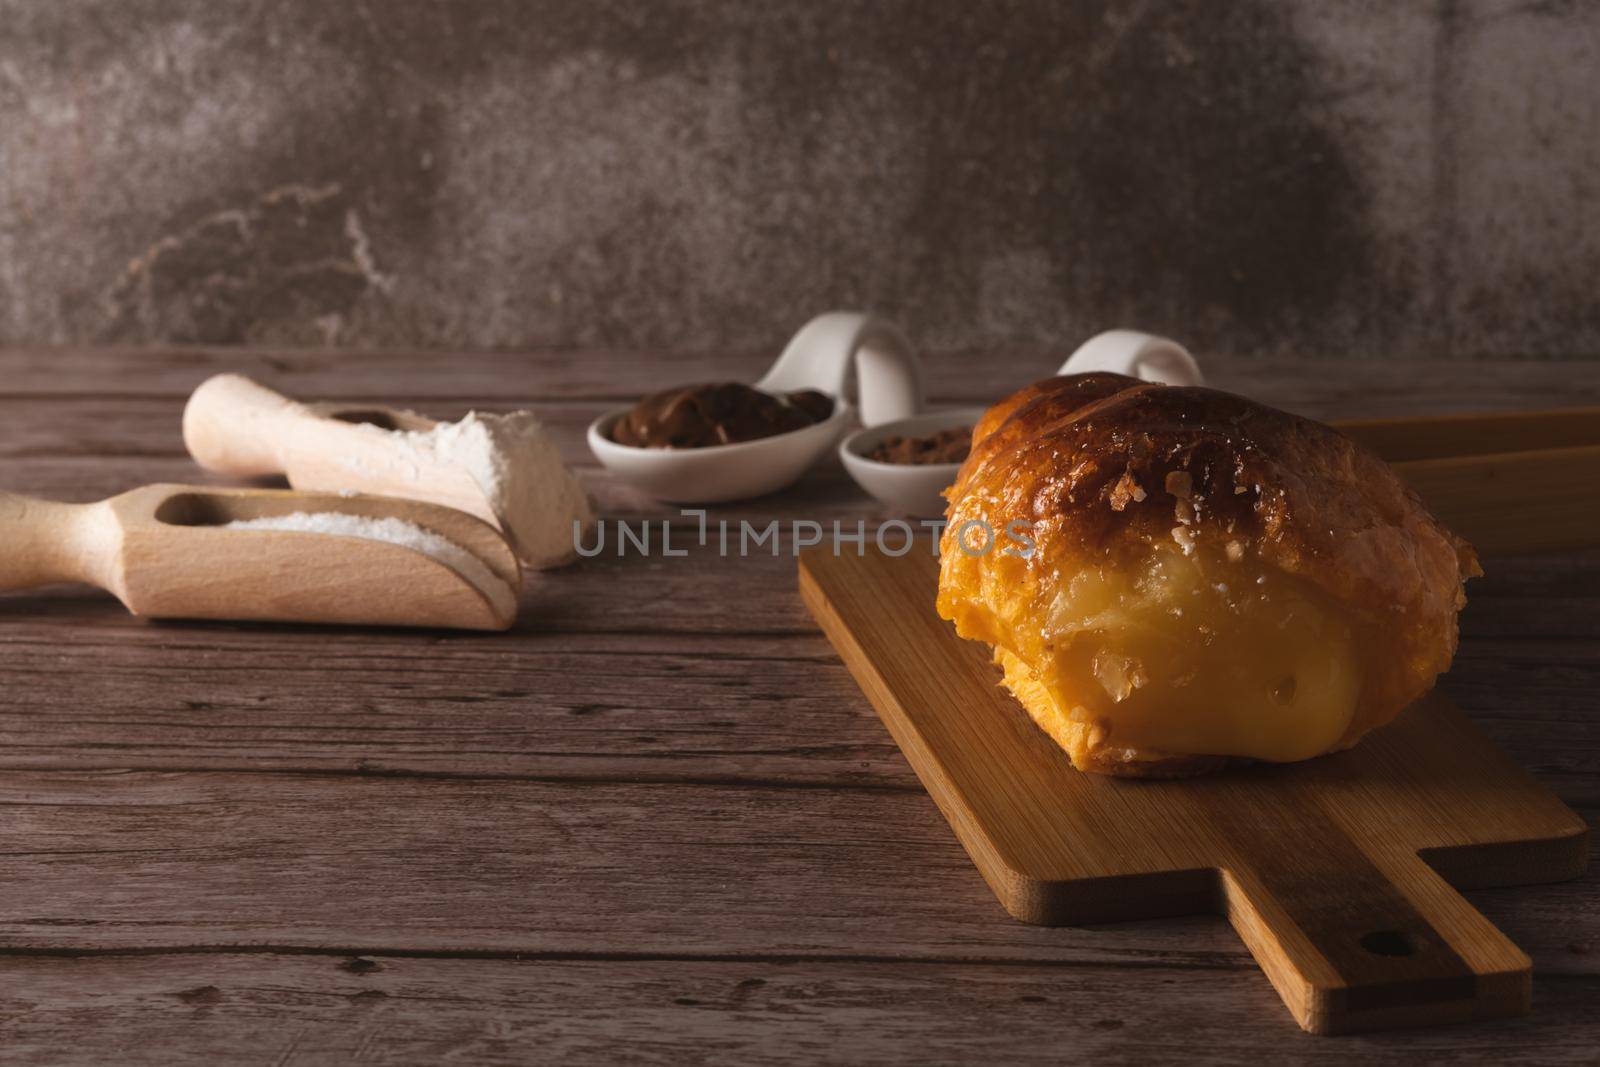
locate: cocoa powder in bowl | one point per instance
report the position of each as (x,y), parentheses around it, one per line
(944,446)
(721,413)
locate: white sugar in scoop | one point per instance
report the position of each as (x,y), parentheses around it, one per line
(395,532)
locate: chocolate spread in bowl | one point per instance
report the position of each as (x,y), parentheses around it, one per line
(945,446)
(721,413)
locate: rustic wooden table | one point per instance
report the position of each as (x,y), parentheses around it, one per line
(656,822)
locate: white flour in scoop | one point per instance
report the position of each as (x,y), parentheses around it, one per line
(534,496)
(395,532)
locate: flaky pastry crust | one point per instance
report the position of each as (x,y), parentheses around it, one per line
(1104,469)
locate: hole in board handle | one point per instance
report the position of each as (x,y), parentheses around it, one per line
(1390,943)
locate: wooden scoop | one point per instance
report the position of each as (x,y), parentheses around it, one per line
(513,480)
(162,550)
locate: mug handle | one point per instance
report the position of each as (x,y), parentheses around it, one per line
(888,376)
(1138,355)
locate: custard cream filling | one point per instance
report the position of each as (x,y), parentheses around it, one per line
(1192,653)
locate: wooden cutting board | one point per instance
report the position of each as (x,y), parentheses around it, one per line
(1337,872)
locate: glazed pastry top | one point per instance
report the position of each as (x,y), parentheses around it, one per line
(1187,526)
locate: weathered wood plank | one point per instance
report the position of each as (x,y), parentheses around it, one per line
(822,494)
(1352,388)
(608,706)
(147,861)
(110,424)
(665,694)
(623,667)
(1555,599)
(133,860)
(97,426)
(280,1009)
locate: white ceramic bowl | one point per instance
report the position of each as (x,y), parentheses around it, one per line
(907,488)
(830,353)
(914,489)
(1138,355)
(718,473)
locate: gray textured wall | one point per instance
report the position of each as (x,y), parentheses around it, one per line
(1354,177)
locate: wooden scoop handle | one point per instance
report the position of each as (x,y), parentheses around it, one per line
(234,426)
(43,542)
(1352,943)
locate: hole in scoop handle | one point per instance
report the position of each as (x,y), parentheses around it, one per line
(888,376)
(1138,355)
(1350,946)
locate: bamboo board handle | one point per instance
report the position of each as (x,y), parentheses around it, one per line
(1348,949)
(43,542)
(235,426)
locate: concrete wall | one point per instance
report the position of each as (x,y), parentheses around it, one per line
(1338,177)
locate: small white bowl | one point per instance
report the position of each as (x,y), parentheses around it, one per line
(914,489)
(716,474)
(828,354)
(908,488)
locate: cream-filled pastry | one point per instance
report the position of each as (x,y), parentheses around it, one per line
(1198,578)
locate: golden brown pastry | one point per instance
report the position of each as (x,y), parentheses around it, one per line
(1178,577)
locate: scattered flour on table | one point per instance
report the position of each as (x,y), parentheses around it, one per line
(395,532)
(516,464)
